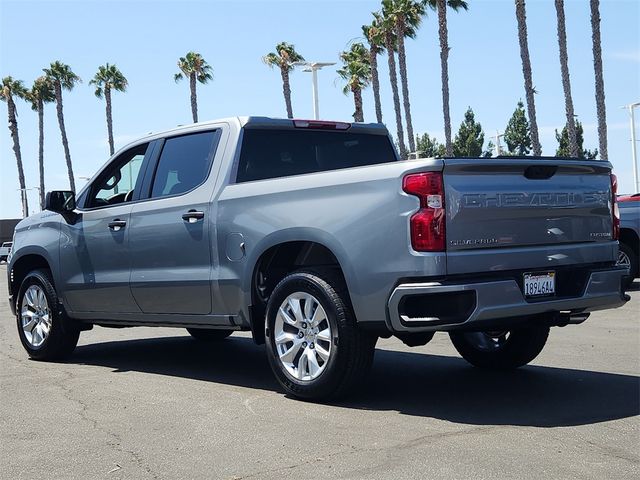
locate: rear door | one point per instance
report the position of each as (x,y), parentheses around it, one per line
(170,233)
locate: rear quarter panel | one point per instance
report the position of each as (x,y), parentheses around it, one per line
(360,214)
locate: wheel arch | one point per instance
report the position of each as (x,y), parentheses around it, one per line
(26,262)
(629,237)
(279,255)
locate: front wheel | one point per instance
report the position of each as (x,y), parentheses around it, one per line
(314,346)
(45,332)
(505,349)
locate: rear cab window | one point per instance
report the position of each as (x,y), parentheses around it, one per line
(273,153)
(184,163)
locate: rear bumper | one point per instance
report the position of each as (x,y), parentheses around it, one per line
(424,307)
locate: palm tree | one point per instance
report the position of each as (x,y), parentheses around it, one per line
(405,16)
(388,28)
(62,77)
(41,92)
(283,58)
(374,35)
(441,6)
(196,69)
(521,17)
(106,79)
(357,72)
(15,88)
(597,67)
(566,81)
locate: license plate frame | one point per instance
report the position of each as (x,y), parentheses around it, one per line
(539,284)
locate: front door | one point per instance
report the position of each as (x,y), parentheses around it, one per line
(170,233)
(94,254)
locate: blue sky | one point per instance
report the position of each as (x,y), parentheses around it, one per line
(145,38)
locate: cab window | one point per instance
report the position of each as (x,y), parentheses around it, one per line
(184,163)
(117,183)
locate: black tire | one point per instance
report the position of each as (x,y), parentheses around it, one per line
(63,334)
(513,349)
(352,349)
(209,334)
(627,280)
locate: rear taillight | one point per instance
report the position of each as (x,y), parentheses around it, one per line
(615,211)
(428,224)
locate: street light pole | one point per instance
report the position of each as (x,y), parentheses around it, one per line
(634,157)
(314,92)
(497,137)
(313,67)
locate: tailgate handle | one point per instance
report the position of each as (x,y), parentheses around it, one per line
(540,172)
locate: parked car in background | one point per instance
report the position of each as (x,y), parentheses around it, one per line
(629,252)
(5,250)
(629,198)
(314,237)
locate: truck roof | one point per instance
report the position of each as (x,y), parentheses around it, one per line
(262,122)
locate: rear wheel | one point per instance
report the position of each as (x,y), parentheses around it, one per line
(209,335)
(314,346)
(505,349)
(45,332)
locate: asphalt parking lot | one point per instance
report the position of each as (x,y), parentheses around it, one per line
(153,403)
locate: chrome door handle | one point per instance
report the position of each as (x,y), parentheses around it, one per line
(192,216)
(117,224)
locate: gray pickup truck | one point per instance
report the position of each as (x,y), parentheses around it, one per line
(317,239)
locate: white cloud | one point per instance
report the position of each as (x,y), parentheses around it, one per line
(629,56)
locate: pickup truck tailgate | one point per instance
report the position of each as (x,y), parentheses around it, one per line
(499,203)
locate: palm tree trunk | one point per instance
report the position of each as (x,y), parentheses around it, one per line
(529,91)
(566,81)
(13,128)
(396,98)
(402,63)
(375,81)
(444,69)
(194,98)
(107,97)
(597,67)
(358,115)
(63,133)
(41,150)
(286,90)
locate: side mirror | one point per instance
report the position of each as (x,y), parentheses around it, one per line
(60,201)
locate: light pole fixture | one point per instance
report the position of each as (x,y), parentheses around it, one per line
(313,67)
(634,154)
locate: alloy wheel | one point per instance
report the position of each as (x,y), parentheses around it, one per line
(36,316)
(303,337)
(623,259)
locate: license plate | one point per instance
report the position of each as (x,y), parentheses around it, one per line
(539,284)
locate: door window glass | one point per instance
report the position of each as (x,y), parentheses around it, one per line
(117,183)
(184,163)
